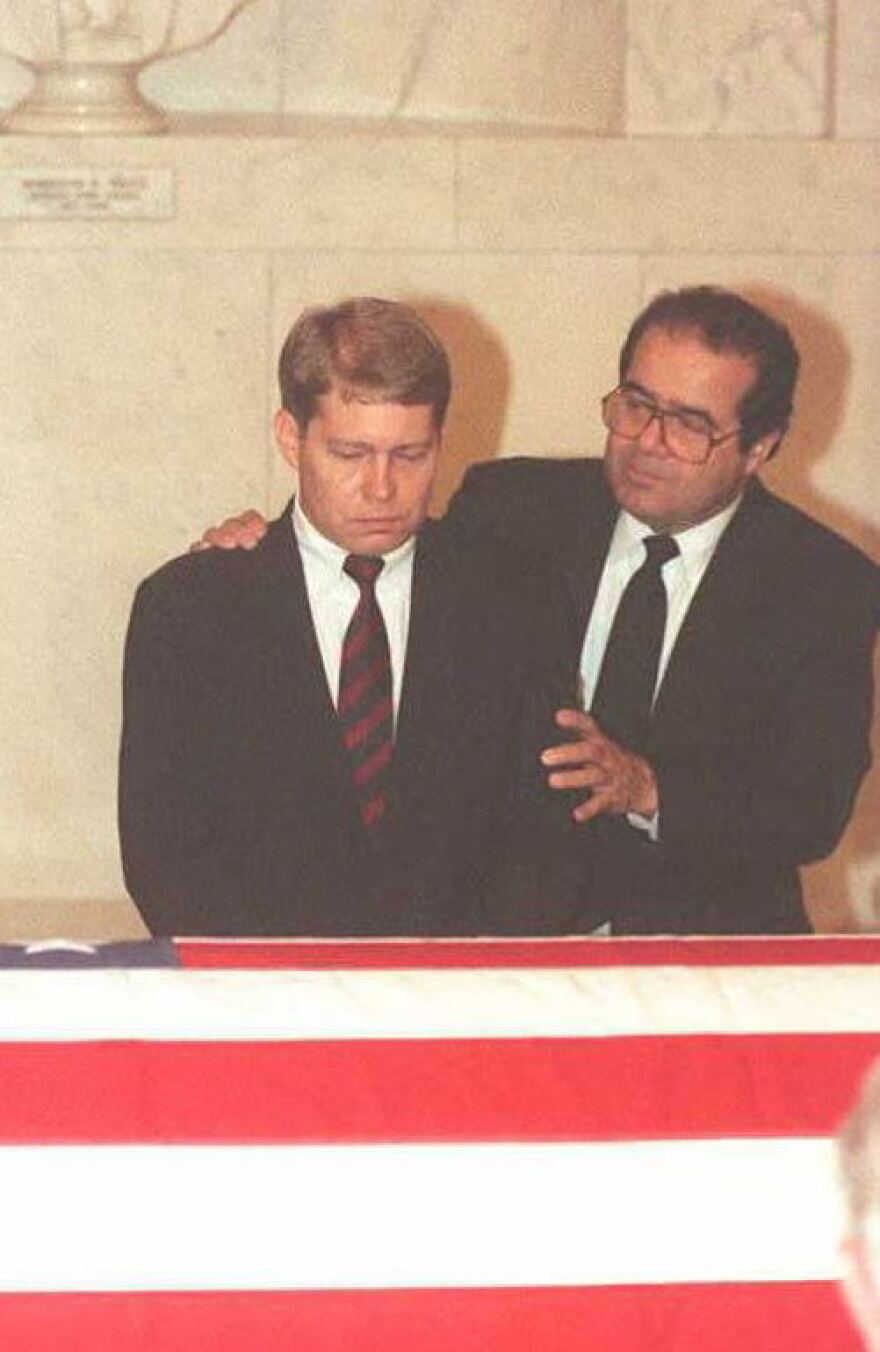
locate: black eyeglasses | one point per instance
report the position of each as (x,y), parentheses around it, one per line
(687,436)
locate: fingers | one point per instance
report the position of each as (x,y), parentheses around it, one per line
(569,753)
(614,779)
(601,801)
(586,763)
(585,777)
(251,521)
(575,720)
(583,746)
(581,763)
(244,531)
(601,783)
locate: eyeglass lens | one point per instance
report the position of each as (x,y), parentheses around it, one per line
(628,415)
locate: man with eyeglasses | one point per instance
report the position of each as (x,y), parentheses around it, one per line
(755,739)
(727,637)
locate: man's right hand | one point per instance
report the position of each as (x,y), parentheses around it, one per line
(616,779)
(244,531)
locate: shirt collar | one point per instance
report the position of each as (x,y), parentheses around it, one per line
(695,545)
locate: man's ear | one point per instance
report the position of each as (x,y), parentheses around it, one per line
(761,450)
(287,436)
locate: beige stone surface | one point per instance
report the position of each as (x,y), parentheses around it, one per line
(66,919)
(672,195)
(493,61)
(15,81)
(320,190)
(754,68)
(490,60)
(857,69)
(240,71)
(133,406)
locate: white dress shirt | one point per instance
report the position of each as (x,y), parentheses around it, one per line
(681,577)
(333,596)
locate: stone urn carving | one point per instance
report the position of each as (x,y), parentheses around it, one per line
(86,55)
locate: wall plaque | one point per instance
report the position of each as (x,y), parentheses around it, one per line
(86,194)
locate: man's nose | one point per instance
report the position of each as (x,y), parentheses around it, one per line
(651,438)
(379,483)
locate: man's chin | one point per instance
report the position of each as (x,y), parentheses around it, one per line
(377,538)
(637,495)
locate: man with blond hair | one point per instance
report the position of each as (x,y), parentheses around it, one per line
(339,731)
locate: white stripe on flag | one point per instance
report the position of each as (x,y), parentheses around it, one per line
(243,1005)
(284,1218)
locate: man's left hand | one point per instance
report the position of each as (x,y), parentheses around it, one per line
(618,780)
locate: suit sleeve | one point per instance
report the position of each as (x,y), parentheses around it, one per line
(781,793)
(177,860)
(494,500)
(539,881)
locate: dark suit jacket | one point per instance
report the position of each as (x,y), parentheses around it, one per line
(237,813)
(760,731)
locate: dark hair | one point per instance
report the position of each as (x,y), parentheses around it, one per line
(377,350)
(726,322)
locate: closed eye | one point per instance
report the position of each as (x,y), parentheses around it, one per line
(349,450)
(694,422)
(633,402)
(412,454)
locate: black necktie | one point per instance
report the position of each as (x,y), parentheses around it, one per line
(625,688)
(365,709)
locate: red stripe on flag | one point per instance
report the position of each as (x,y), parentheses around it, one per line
(309,954)
(565,1089)
(763,1317)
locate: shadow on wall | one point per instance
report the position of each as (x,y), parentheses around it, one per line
(843,892)
(480,392)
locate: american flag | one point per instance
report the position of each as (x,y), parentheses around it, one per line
(481,1146)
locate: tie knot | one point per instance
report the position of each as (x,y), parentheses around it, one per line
(364,568)
(660,549)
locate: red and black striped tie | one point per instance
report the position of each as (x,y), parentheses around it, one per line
(365,708)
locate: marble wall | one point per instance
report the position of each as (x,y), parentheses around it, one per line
(529,174)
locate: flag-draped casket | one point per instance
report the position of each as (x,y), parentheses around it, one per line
(430,1146)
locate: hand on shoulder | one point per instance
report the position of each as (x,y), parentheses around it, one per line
(244,531)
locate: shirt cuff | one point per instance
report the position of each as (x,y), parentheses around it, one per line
(650,826)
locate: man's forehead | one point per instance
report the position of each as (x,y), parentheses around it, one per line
(679,364)
(354,398)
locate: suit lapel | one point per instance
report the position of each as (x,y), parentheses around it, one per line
(582,546)
(423,702)
(295,681)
